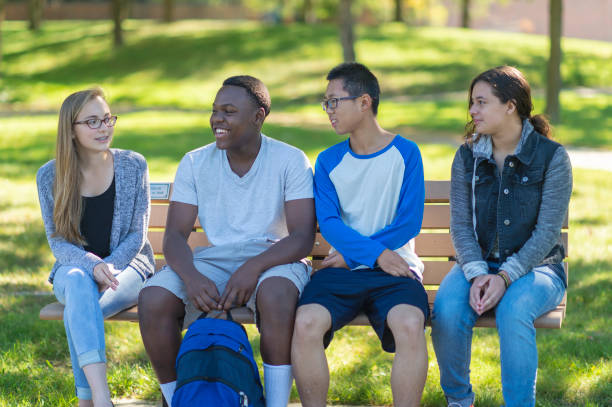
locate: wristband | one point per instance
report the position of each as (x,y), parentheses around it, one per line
(506,280)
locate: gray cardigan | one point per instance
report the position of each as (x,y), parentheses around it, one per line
(556,191)
(128,241)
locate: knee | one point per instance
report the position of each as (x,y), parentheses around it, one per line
(78,280)
(155,303)
(312,321)
(409,323)
(510,318)
(276,300)
(447,314)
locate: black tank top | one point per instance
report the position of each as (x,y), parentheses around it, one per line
(97,221)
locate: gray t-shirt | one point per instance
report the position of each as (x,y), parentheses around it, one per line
(251,207)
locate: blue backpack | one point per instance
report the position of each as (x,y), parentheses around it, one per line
(215,367)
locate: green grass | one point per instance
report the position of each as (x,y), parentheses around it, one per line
(162,85)
(181,65)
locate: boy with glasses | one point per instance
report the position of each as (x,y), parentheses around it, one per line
(253,196)
(369,198)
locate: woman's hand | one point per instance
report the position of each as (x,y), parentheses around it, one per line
(103,275)
(486,292)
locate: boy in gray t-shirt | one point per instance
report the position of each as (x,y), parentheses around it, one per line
(254,199)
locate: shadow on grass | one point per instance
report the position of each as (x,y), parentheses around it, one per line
(590,123)
(184,56)
(26,252)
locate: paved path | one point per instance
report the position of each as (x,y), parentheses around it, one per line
(590,159)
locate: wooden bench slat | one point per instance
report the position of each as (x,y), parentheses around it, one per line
(159,213)
(427,244)
(434,217)
(437,191)
(156,238)
(54,311)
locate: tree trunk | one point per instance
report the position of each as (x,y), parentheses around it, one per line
(119,12)
(398,11)
(35,13)
(1,21)
(168,16)
(553,81)
(346,30)
(465,13)
(306,12)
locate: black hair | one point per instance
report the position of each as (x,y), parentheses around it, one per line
(509,84)
(255,88)
(357,80)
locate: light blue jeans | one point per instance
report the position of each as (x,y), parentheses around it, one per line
(84,313)
(537,292)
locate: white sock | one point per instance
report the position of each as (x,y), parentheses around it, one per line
(278,381)
(168,391)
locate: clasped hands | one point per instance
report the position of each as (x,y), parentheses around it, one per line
(486,291)
(204,295)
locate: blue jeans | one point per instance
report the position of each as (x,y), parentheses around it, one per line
(84,313)
(453,319)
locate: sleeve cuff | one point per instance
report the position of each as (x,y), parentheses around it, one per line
(514,269)
(371,262)
(474,269)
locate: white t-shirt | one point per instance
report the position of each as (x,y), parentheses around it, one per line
(235,209)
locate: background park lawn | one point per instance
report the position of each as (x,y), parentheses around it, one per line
(162,84)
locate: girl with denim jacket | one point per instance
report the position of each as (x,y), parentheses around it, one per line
(95,207)
(510,190)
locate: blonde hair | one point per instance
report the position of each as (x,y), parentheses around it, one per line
(68,207)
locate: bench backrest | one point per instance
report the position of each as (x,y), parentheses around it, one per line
(433,245)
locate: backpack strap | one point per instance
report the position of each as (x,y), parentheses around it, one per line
(216,315)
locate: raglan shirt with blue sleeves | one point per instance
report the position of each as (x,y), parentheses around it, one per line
(368,203)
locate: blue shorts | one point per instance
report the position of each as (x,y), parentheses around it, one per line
(346,293)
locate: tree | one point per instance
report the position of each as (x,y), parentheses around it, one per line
(1,21)
(306,13)
(35,13)
(465,13)
(347,38)
(119,12)
(398,11)
(553,80)
(168,16)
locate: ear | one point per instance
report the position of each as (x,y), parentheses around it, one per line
(511,106)
(259,117)
(366,102)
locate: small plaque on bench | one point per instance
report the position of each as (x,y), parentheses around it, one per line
(160,190)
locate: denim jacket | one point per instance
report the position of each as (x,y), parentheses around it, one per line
(521,210)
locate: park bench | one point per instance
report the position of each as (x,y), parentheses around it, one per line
(433,245)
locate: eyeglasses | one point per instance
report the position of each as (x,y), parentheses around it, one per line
(332,103)
(96,123)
